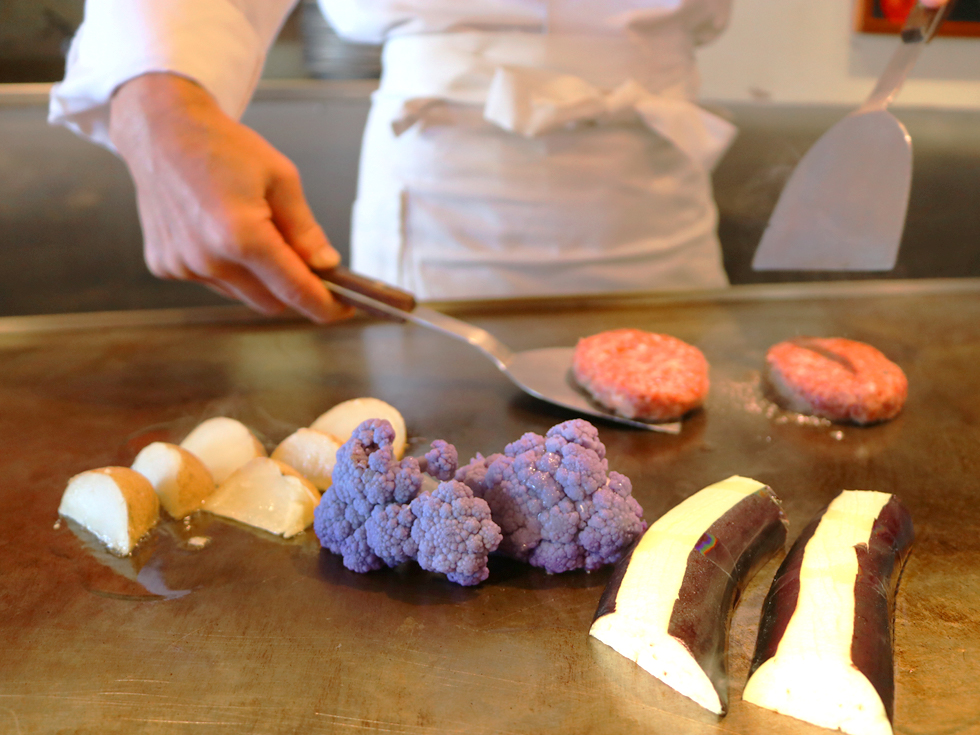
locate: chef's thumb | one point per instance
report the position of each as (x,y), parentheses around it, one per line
(294,219)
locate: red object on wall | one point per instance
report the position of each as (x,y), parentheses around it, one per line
(888,16)
(896,10)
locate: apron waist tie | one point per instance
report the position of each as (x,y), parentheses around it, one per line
(541,96)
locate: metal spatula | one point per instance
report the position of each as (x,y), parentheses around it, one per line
(543,373)
(844,206)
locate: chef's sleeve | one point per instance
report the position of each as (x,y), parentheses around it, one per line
(220,44)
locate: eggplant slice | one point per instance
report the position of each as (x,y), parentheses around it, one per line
(824,651)
(670,600)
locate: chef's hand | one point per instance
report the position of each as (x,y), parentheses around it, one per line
(217,203)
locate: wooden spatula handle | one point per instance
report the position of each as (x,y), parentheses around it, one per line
(377,290)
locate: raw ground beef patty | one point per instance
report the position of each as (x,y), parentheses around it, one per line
(641,375)
(836,378)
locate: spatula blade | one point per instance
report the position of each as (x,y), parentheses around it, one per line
(545,373)
(844,206)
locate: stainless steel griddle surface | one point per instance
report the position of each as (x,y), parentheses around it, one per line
(253,634)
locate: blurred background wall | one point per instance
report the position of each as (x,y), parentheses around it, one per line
(790,51)
(807,51)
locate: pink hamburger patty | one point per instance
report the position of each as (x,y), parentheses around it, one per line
(836,378)
(641,375)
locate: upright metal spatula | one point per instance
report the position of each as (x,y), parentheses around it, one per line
(843,208)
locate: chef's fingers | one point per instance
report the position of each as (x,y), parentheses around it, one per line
(156,235)
(239,282)
(294,219)
(164,256)
(212,285)
(287,277)
(255,267)
(216,287)
(235,283)
(162,238)
(934,3)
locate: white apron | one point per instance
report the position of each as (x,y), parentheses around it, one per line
(503,163)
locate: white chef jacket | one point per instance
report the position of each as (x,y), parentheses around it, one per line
(514,147)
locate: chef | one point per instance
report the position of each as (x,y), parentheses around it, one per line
(514,147)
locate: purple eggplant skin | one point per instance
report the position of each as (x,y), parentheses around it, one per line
(722,563)
(607,602)
(880,564)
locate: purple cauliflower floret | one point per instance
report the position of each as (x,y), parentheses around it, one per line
(366,476)
(474,473)
(454,533)
(555,500)
(374,515)
(442,460)
(389,533)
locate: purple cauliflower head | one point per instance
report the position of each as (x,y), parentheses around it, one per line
(454,533)
(558,505)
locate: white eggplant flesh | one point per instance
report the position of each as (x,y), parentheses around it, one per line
(824,652)
(669,603)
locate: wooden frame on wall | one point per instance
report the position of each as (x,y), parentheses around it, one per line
(886,16)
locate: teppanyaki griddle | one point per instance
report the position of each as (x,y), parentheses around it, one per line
(213,626)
